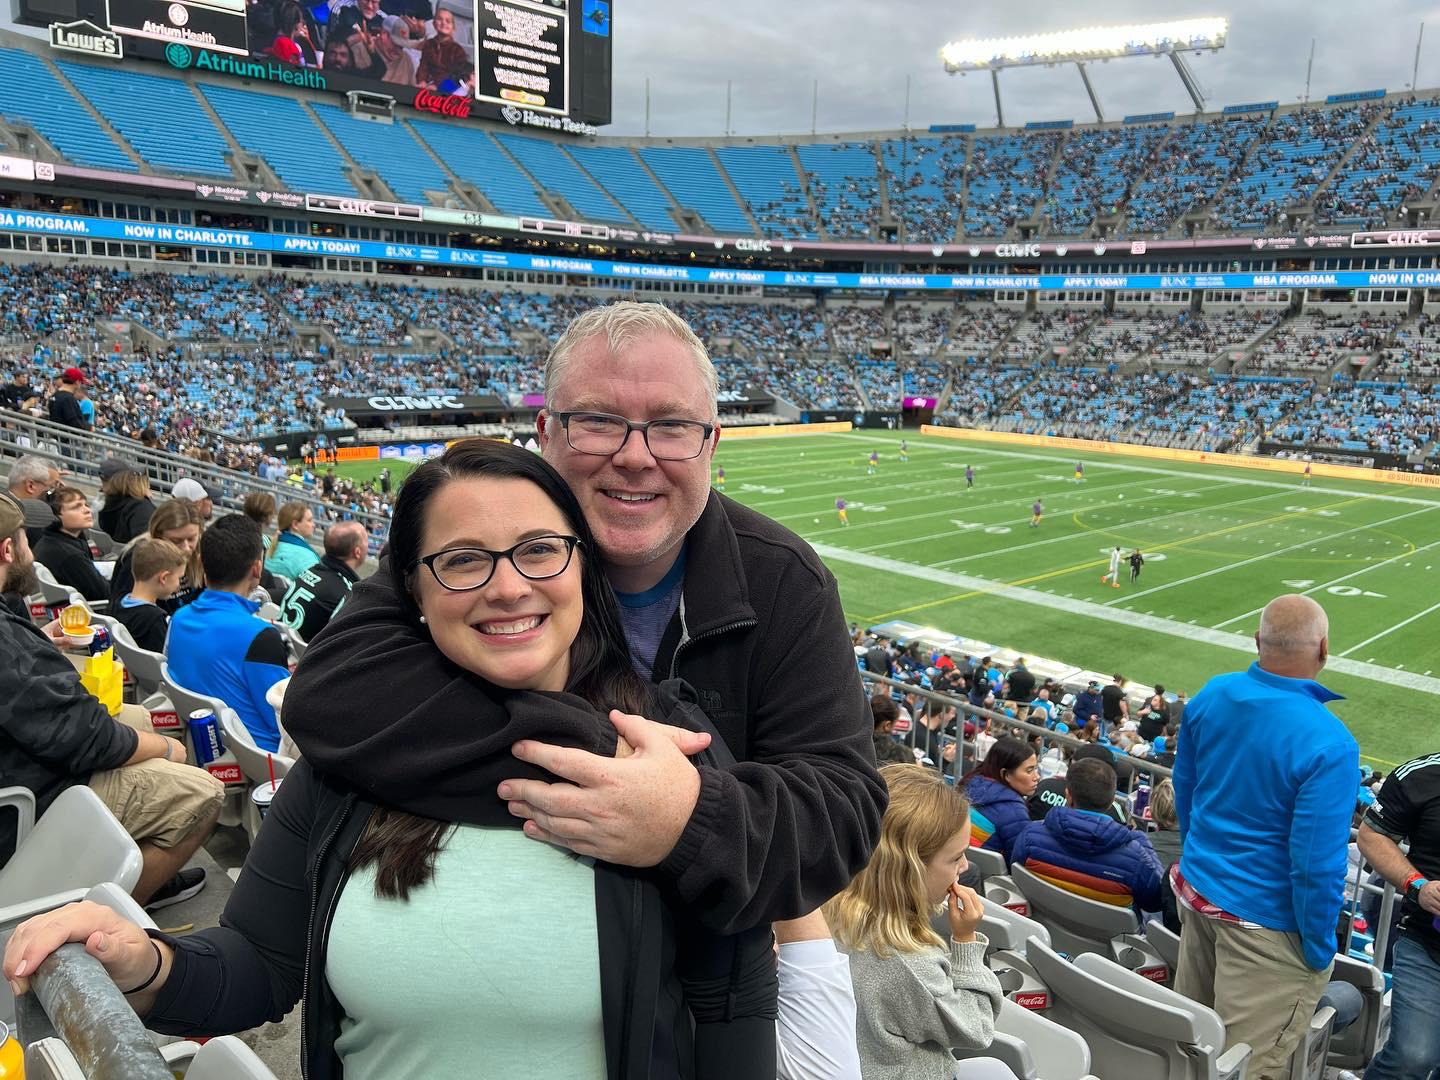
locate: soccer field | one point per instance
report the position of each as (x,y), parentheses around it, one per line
(1219,542)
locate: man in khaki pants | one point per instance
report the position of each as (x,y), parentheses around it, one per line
(1264,810)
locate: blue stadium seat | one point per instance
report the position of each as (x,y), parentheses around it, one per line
(618,171)
(697,185)
(158,115)
(279,130)
(844,182)
(767,179)
(476,158)
(389,150)
(1006,180)
(557,172)
(925,176)
(32,96)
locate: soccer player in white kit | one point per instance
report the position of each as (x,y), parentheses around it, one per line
(1113,575)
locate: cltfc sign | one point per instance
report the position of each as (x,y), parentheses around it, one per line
(83,36)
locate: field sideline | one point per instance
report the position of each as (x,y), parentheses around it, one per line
(1219,543)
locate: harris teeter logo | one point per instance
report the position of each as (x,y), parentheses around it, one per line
(184,56)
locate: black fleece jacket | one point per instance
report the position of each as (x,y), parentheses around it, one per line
(69,559)
(759,635)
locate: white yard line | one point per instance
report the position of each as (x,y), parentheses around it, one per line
(1391,630)
(1186,631)
(1266,555)
(1336,581)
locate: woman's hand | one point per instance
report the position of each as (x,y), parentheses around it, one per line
(964,910)
(122,948)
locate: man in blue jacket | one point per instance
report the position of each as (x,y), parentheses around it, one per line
(1084,850)
(218,645)
(1266,825)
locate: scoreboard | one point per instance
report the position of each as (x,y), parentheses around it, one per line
(533,63)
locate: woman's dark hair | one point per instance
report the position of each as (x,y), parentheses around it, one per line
(1007,755)
(404,846)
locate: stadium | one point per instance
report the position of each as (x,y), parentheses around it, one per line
(1001,415)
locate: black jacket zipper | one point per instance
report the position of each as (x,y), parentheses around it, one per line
(317,947)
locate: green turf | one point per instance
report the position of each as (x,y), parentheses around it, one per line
(1220,543)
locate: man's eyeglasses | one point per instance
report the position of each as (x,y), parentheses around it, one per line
(461,569)
(603,434)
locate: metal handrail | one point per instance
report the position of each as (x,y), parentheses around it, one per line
(85,1008)
(81,452)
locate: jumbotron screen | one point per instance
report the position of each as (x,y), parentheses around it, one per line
(543,63)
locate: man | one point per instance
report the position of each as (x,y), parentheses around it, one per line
(217,645)
(1262,878)
(1020,684)
(17,392)
(1080,848)
(64,405)
(969,477)
(1408,808)
(710,592)
(1115,708)
(887,750)
(1088,704)
(320,591)
(32,478)
(1136,561)
(56,735)
(1113,574)
(1037,511)
(202,495)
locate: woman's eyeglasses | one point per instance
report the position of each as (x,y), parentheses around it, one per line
(461,569)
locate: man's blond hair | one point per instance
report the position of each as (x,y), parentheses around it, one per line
(622,324)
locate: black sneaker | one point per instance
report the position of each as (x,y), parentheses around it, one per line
(181,887)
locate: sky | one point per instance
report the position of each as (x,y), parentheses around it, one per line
(860,52)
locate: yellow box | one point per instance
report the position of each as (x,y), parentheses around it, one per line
(104,677)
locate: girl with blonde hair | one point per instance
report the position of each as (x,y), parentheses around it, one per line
(917,995)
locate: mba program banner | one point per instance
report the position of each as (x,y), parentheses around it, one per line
(25,221)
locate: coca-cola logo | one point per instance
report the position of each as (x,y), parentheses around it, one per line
(442,104)
(226,773)
(164,719)
(1155,973)
(1020,907)
(1038,1002)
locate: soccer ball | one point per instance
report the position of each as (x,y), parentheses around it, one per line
(1120,497)
(817,521)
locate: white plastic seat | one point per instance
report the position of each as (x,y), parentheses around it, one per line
(55,593)
(1165,942)
(222,1058)
(1136,1029)
(1033,1047)
(188,701)
(255,764)
(142,664)
(1356,1045)
(995,881)
(1077,924)
(76,843)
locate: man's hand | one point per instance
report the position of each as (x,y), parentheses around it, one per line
(626,810)
(1430,898)
(56,633)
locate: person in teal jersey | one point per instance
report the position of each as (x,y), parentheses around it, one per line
(498,568)
(291,552)
(904,451)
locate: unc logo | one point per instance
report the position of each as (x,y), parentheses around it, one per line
(179,14)
(511,114)
(179,55)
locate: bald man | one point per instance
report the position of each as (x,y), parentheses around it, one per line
(1265,783)
(322,589)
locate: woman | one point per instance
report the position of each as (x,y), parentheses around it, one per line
(418,960)
(127,506)
(291,552)
(179,522)
(65,549)
(259,507)
(997,791)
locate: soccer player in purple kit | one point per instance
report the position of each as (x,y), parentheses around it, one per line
(840,509)
(1035,512)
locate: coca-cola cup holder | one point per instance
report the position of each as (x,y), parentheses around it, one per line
(1134,953)
(1004,891)
(1018,980)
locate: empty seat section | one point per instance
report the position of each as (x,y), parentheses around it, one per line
(280,131)
(619,171)
(30,94)
(557,173)
(387,149)
(766,177)
(697,185)
(845,186)
(148,110)
(477,159)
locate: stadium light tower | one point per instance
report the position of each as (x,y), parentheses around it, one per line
(1078,47)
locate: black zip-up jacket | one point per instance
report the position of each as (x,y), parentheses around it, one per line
(270,946)
(759,635)
(125,518)
(69,559)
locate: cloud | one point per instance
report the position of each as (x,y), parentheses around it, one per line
(773,54)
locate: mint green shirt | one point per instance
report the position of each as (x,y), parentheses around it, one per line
(490,970)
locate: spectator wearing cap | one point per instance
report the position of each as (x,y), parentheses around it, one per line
(1080,848)
(203,495)
(64,404)
(32,478)
(65,549)
(1261,881)
(1088,705)
(128,507)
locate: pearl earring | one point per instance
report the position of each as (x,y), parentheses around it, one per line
(422,618)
